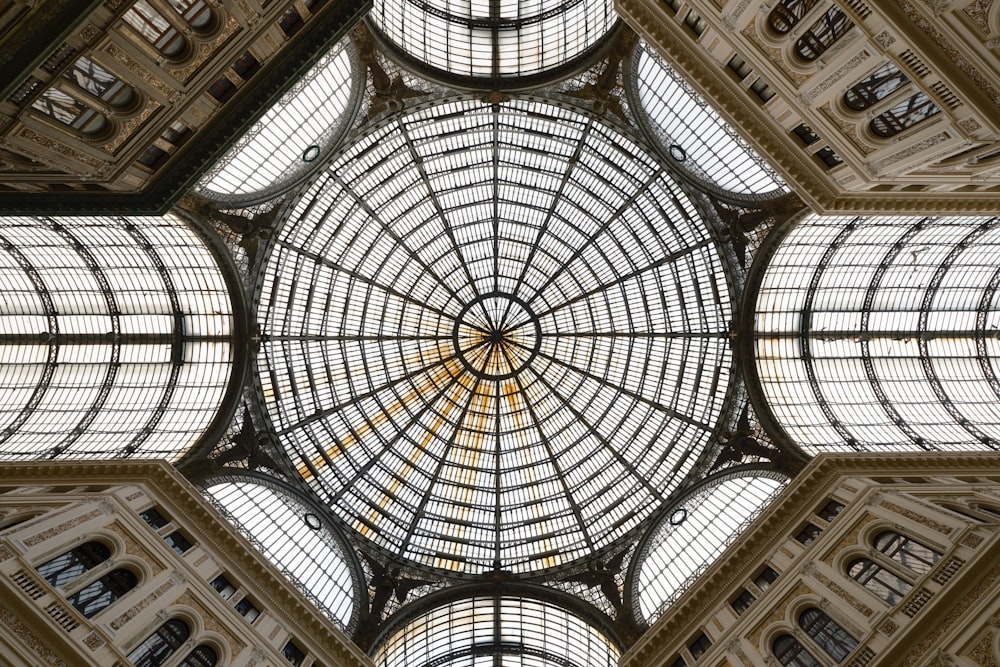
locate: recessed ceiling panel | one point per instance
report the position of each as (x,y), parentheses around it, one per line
(496,336)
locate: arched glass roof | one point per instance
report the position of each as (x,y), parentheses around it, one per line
(295,539)
(694,135)
(292,137)
(878,333)
(493,39)
(495,335)
(503,631)
(694,532)
(115,337)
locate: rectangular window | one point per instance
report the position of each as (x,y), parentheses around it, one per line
(293,653)
(699,646)
(178,542)
(830,511)
(766,577)
(224,587)
(247,609)
(154,518)
(808,534)
(742,602)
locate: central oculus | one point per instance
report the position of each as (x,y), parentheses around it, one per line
(496,336)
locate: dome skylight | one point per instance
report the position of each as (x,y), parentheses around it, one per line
(495,336)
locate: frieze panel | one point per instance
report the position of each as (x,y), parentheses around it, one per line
(910,514)
(140,605)
(64,526)
(137,68)
(31,640)
(972,540)
(848,129)
(774,54)
(985,83)
(57,146)
(877,169)
(851,64)
(844,595)
(982,653)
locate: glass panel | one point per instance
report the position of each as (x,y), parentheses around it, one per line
(159,646)
(65,568)
(866,334)
(117,338)
(297,544)
(791,653)
(488,337)
(92,599)
(691,537)
(494,39)
(907,552)
(517,631)
(904,115)
(883,583)
(696,136)
(883,82)
(829,636)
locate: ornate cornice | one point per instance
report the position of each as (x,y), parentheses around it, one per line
(182,499)
(774,524)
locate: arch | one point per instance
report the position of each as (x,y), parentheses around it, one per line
(875,87)
(883,583)
(72,112)
(787,14)
(908,113)
(823,34)
(202,655)
(834,640)
(155,28)
(906,551)
(67,566)
(158,647)
(790,652)
(102,592)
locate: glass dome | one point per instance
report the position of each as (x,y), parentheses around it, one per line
(492,40)
(495,335)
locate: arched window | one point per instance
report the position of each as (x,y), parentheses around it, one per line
(908,553)
(201,656)
(95,597)
(159,646)
(822,34)
(904,115)
(97,81)
(877,86)
(68,110)
(787,14)
(155,28)
(883,583)
(828,635)
(68,566)
(791,653)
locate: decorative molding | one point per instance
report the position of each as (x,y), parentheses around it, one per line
(93,641)
(918,518)
(986,83)
(850,539)
(829,584)
(31,640)
(133,611)
(847,129)
(205,51)
(977,13)
(778,612)
(133,548)
(879,167)
(64,526)
(919,650)
(838,74)
(982,653)
(137,68)
(888,627)
(884,39)
(774,54)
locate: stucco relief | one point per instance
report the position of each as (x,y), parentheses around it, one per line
(30,639)
(140,605)
(774,54)
(978,13)
(63,527)
(205,51)
(778,613)
(847,129)
(982,653)
(212,623)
